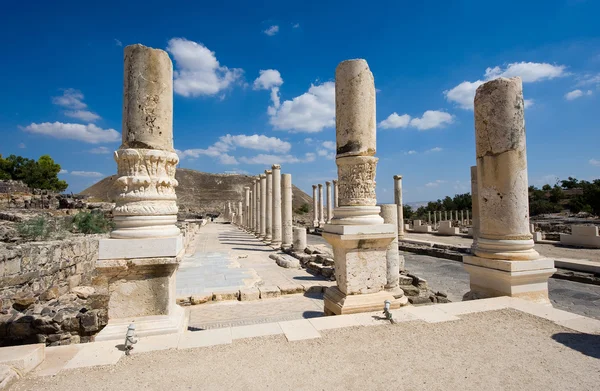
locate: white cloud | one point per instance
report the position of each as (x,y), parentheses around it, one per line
(411,152)
(22,145)
(528,103)
(588,79)
(577,94)
(83,115)
(197,70)
(272,30)
(87,174)
(432,119)
(435,149)
(464,93)
(308,140)
(595,162)
(528,71)
(326,154)
(63,171)
(268,79)
(296,25)
(118,43)
(310,112)
(395,121)
(100,151)
(87,133)
(71,98)
(329,145)
(435,183)
(277,159)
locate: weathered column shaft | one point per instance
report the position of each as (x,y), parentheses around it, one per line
(286,211)
(246,207)
(299,239)
(315,207)
(321,211)
(389,213)
(399,205)
(257,205)
(445,215)
(329,203)
(335,194)
(269,206)
(240,219)
(429,217)
(146,203)
(263,206)
(276,224)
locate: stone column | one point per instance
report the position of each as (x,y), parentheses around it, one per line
(315,207)
(462,218)
(240,214)
(357,232)
(468,220)
(263,206)
(286,211)
(138,264)
(257,206)
(246,207)
(269,210)
(276,224)
(504,260)
(329,203)
(446,215)
(399,205)
(321,209)
(434,219)
(428,217)
(395,262)
(335,194)
(451,216)
(299,240)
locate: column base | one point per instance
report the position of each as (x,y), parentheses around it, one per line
(338,303)
(523,279)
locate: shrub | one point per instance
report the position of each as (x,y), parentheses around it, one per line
(305,208)
(38,228)
(91,223)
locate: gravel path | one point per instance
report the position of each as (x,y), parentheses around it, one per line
(500,350)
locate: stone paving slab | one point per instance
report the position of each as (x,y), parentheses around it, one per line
(297,330)
(255,330)
(205,338)
(95,354)
(57,358)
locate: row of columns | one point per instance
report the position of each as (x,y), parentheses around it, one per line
(267,208)
(331,200)
(457,215)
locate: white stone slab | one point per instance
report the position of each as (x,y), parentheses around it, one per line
(379,229)
(371,318)
(146,326)
(256,330)
(156,342)
(96,353)
(542,311)
(197,339)
(580,265)
(56,359)
(334,322)
(296,330)
(24,357)
(472,306)
(430,314)
(140,248)
(582,324)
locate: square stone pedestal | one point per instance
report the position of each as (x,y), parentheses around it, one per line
(524,279)
(141,289)
(359,252)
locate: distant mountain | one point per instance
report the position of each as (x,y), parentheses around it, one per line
(201,192)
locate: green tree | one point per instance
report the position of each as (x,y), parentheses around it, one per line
(42,174)
(407,211)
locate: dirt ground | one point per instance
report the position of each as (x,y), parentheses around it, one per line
(499,350)
(548,250)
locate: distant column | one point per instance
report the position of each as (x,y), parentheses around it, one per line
(276,224)
(389,212)
(321,211)
(315,207)
(462,218)
(399,205)
(468,217)
(434,219)
(263,206)
(335,193)
(329,203)
(240,219)
(246,222)
(257,205)
(269,210)
(286,211)
(428,217)
(445,215)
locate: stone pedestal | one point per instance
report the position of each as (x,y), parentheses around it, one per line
(504,261)
(286,211)
(276,204)
(299,239)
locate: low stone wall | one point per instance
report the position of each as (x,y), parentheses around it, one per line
(9,186)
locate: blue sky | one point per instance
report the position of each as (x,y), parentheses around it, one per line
(262,73)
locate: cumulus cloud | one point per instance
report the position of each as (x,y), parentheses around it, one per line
(528,103)
(279,159)
(296,25)
(87,133)
(395,121)
(432,119)
(464,93)
(329,145)
(436,183)
(435,149)
(588,79)
(577,94)
(63,171)
(22,145)
(310,112)
(411,152)
(327,150)
(197,71)
(272,30)
(100,151)
(118,43)
(594,162)
(87,174)
(72,100)
(268,79)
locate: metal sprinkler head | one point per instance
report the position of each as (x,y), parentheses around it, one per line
(386,311)
(130,338)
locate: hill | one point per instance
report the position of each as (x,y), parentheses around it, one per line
(200,192)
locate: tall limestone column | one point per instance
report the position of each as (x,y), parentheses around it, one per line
(276,224)
(263,206)
(287,235)
(335,194)
(357,232)
(246,207)
(399,204)
(137,264)
(321,209)
(257,206)
(315,207)
(428,217)
(395,262)
(241,216)
(329,203)
(504,261)
(269,206)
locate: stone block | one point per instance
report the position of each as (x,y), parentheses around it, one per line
(226,295)
(24,358)
(582,236)
(267,292)
(290,289)
(405,280)
(296,330)
(200,298)
(140,248)
(249,294)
